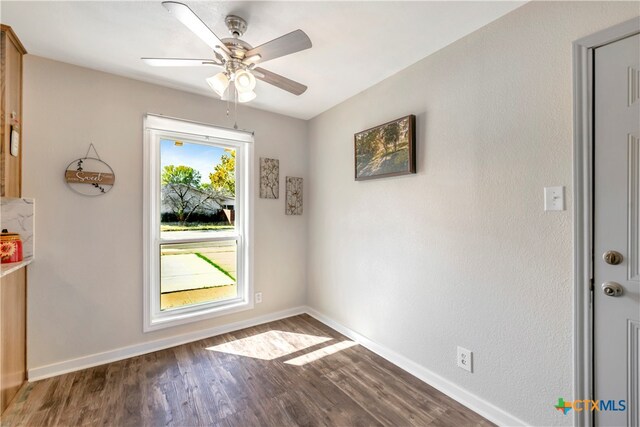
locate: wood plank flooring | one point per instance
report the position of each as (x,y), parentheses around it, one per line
(292,372)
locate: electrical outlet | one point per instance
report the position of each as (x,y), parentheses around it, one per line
(465,359)
(258,297)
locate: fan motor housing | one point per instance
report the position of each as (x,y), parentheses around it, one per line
(237,47)
(236,25)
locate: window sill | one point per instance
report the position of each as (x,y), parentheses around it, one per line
(180,317)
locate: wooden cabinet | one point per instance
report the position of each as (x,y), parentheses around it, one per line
(13,286)
(13,334)
(11,52)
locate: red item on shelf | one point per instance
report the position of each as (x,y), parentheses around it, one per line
(10,247)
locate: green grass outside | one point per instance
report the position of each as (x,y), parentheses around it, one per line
(222,270)
(165,227)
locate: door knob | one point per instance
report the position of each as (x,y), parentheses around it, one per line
(612,289)
(612,257)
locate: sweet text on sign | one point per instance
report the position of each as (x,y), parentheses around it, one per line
(84,177)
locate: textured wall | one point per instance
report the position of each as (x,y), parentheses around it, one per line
(85,288)
(462,253)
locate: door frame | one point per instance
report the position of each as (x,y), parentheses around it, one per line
(583,160)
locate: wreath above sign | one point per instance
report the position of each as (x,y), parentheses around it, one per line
(90,176)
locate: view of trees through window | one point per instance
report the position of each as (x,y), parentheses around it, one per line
(197,202)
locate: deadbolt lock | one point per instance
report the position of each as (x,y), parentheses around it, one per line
(612,257)
(612,289)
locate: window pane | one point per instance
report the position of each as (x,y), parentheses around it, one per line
(195,273)
(198,187)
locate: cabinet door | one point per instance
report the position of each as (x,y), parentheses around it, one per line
(11,73)
(13,323)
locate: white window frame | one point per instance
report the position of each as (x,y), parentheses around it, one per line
(160,127)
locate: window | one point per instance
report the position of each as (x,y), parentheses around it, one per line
(196,221)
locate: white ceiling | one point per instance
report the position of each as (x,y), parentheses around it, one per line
(355,44)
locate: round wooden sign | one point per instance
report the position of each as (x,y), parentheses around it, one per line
(89,176)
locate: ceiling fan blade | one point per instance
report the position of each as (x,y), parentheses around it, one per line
(179,62)
(290,43)
(195,24)
(279,81)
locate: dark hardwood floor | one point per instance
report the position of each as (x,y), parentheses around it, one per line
(292,372)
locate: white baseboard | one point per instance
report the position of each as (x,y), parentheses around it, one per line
(488,410)
(97,359)
(468,399)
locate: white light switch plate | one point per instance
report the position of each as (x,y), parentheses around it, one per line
(554,198)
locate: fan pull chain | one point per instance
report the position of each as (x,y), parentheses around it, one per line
(235,106)
(235,121)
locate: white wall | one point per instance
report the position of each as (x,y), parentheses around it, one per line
(85,287)
(462,253)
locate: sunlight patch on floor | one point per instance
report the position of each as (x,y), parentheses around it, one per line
(270,345)
(319,354)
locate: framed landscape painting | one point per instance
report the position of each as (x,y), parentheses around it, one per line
(386,150)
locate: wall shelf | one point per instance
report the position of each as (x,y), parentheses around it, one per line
(6,269)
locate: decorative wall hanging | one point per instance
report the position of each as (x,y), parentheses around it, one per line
(386,150)
(294,196)
(269,178)
(90,176)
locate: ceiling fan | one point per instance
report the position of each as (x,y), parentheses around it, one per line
(237,58)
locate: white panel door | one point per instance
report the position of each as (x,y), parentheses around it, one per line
(617,228)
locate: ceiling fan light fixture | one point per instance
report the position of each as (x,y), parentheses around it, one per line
(228,94)
(244,81)
(219,83)
(246,96)
(236,57)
